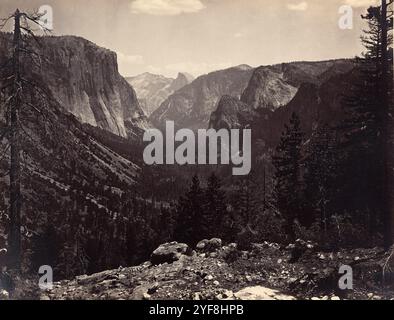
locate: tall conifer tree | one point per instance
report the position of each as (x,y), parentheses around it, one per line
(287,162)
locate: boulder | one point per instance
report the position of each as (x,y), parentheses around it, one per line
(209,245)
(4,295)
(202,244)
(169,252)
(214,244)
(261,293)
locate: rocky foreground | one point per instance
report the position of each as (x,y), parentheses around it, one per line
(215,272)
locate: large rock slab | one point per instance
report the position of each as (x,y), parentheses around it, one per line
(261,293)
(169,252)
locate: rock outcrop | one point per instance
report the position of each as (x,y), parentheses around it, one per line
(262,273)
(272,87)
(169,252)
(232,113)
(209,245)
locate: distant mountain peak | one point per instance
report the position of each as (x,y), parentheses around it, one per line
(243,67)
(149,75)
(188,76)
(153,89)
(192,106)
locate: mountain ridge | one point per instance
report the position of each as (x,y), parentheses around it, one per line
(192,105)
(316,101)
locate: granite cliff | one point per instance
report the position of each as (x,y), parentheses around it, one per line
(85,81)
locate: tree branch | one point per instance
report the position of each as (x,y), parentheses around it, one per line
(31,33)
(4,152)
(5,21)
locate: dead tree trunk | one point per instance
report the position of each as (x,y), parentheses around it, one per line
(15,167)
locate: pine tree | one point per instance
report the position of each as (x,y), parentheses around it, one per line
(19,94)
(320,177)
(367,129)
(190,211)
(247,206)
(246,200)
(214,208)
(287,162)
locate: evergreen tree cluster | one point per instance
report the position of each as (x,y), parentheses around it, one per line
(201,212)
(240,212)
(339,181)
(84,235)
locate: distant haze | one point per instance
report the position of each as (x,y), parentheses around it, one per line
(199,36)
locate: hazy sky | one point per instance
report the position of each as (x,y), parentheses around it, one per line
(199,36)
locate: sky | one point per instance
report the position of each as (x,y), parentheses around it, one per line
(200,36)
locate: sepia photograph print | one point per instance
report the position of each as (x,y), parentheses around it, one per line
(196,150)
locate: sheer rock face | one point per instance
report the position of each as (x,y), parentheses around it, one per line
(85,81)
(192,106)
(232,113)
(84,78)
(272,87)
(268,89)
(152,90)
